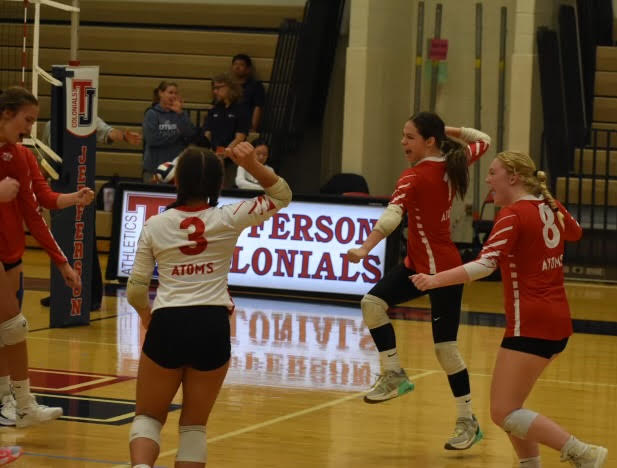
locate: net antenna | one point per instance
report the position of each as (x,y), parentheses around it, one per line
(37,71)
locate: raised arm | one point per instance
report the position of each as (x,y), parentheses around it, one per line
(477,142)
(256,210)
(572,230)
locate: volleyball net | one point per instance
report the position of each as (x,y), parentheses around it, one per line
(20,56)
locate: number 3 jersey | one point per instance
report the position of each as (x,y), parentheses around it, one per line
(193,246)
(527,241)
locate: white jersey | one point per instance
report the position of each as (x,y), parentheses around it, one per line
(193,246)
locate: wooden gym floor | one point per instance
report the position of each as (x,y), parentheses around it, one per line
(293,393)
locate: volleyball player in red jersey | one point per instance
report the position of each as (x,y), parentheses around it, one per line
(527,243)
(425,192)
(18,111)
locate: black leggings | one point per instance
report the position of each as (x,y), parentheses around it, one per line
(396,287)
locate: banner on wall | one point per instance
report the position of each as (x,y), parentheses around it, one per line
(302,248)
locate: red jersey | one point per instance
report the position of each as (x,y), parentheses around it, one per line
(425,194)
(527,242)
(19,163)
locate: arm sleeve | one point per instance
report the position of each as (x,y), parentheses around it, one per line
(102,130)
(389,220)
(477,143)
(256,210)
(572,230)
(499,244)
(243,182)
(141,273)
(35,222)
(46,197)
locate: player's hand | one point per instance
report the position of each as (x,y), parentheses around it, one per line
(84,197)
(355,255)
(243,154)
(423,281)
(133,138)
(70,276)
(9,188)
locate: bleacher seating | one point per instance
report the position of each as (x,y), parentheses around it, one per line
(137,45)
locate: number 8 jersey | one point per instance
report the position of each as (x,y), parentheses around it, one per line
(193,246)
(527,241)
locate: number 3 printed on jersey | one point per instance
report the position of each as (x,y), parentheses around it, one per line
(550,231)
(196,236)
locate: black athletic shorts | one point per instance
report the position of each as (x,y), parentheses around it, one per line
(538,346)
(195,336)
(396,287)
(10,266)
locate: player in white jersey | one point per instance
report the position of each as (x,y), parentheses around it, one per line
(188,337)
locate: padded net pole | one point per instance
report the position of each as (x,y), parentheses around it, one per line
(74,60)
(24,54)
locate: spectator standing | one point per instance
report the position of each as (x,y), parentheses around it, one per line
(227,123)
(167,129)
(253,92)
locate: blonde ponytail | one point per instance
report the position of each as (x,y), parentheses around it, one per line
(534,181)
(541,176)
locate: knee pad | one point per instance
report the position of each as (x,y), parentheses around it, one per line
(374,311)
(146,427)
(20,291)
(14,330)
(449,357)
(192,446)
(518,422)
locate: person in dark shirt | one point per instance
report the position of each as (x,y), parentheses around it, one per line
(254,95)
(167,129)
(227,123)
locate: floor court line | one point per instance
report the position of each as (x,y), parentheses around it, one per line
(293,415)
(557,381)
(63,457)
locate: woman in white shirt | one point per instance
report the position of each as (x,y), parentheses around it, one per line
(188,337)
(244,180)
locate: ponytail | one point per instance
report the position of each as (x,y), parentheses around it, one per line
(199,176)
(429,125)
(534,181)
(541,177)
(456,166)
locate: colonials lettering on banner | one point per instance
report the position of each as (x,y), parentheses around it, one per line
(78,237)
(312,259)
